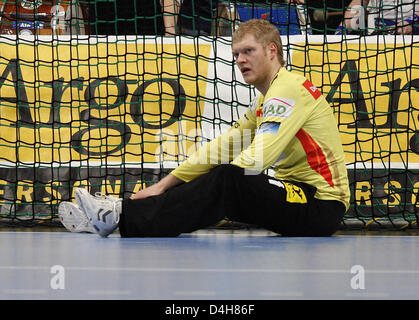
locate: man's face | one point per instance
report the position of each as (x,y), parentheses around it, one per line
(253,60)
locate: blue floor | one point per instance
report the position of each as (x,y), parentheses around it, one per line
(207,265)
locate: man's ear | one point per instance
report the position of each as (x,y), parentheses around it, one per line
(273,50)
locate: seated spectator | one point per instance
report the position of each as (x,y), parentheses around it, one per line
(132,17)
(324,16)
(387,17)
(196,17)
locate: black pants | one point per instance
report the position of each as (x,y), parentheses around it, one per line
(227,192)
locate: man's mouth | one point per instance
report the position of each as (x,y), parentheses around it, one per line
(244,70)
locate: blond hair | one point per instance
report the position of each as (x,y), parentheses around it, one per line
(264,33)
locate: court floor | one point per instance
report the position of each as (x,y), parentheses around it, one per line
(208,265)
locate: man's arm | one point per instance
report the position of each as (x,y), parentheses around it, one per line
(158,188)
(170,10)
(351,15)
(220,150)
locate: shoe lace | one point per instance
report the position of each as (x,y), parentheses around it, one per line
(114,201)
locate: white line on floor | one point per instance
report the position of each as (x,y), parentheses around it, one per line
(368,294)
(109,292)
(194,293)
(208,270)
(281,294)
(24,291)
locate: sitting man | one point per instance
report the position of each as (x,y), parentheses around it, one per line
(292,130)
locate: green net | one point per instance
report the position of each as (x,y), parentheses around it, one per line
(111,95)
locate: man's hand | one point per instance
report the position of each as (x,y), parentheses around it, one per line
(404,28)
(160,187)
(151,191)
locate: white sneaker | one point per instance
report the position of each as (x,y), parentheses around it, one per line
(73,218)
(102,211)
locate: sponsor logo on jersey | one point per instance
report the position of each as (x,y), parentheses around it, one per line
(294,193)
(276,107)
(268,127)
(312,89)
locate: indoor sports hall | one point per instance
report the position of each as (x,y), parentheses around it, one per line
(112,95)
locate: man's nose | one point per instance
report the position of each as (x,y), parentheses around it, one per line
(240,58)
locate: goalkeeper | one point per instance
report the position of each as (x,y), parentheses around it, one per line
(289,127)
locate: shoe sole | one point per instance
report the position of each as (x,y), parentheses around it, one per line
(71,217)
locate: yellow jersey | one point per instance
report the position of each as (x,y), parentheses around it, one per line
(301,142)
